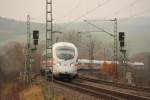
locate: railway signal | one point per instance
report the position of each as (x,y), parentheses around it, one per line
(124,59)
(121,36)
(29,50)
(122,39)
(35,37)
(35,34)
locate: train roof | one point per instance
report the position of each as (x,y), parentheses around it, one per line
(64,44)
(60,44)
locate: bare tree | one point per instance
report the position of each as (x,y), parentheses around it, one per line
(13,59)
(72,37)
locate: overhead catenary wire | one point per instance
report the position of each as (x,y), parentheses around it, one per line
(137,14)
(124,19)
(92,10)
(70,11)
(132,4)
(131,16)
(104,3)
(117,12)
(99,28)
(126,7)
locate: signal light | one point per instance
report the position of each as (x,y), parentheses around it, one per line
(121,39)
(35,34)
(121,43)
(35,42)
(121,36)
(35,37)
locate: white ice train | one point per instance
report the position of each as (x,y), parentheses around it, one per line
(64,61)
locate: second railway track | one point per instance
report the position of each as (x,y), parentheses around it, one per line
(102,92)
(120,85)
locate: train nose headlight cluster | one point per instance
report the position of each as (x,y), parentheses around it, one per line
(71,65)
(58,64)
(74,65)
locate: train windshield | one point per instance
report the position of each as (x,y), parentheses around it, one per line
(65,53)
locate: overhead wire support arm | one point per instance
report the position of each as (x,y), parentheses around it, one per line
(99,28)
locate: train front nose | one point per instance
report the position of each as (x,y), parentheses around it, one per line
(66,68)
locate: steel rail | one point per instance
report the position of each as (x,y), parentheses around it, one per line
(123,95)
(100,92)
(120,85)
(88,90)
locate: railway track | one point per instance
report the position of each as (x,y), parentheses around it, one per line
(88,90)
(74,86)
(120,85)
(90,87)
(101,92)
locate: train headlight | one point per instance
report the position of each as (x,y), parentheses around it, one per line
(71,65)
(58,64)
(74,65)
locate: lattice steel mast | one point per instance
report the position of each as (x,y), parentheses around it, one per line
(49,39)
(28,52)
(115,48)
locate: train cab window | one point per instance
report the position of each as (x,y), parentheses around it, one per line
(65,53)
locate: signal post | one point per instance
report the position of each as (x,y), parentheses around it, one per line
(124,61)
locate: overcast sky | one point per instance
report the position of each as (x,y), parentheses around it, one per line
(74,10)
